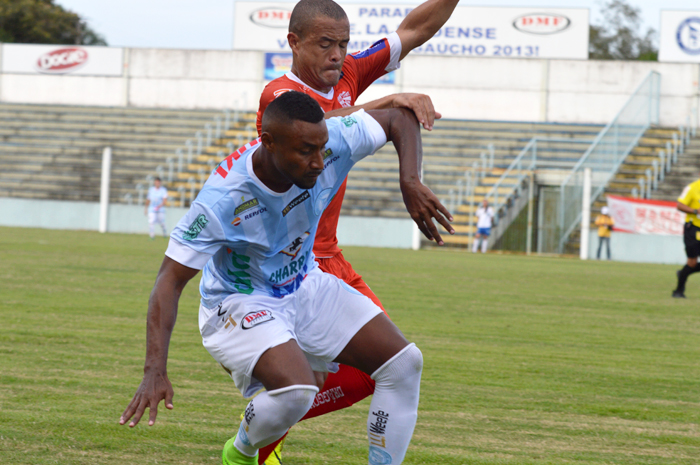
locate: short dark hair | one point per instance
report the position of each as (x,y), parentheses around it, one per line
(157,179)
(306,11)
(292,106)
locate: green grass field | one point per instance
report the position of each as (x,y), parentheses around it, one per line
(527,360)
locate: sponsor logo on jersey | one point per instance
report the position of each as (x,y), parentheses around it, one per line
(345,99)
(540,23)
(241,278)
(688,36)
(348,120)
(236,221)
(296,201)
(374,48)
(279,92)
(61,61)
(195,228)
(271,17)
(293,249)
(246,206)
(254,319)
(322,199)
(327,153)
(287,279)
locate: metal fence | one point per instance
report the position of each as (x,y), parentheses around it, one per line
(607,153)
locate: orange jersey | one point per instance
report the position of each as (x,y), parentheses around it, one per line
(359,70)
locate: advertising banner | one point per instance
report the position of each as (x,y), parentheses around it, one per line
(62,59)
(680,36)
(471,31)
(646,216)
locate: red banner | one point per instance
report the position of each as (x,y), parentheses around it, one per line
(646,216)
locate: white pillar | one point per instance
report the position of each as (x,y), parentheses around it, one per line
(586,217)
(104,188)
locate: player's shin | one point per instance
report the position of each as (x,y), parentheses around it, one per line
(270,414)
(394,408)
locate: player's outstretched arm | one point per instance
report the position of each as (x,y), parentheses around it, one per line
(162,312)
(401,127)
(423,22)
(420,104)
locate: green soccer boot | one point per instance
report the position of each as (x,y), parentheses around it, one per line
(232,456)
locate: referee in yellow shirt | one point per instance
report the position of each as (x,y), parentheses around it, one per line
(689,203)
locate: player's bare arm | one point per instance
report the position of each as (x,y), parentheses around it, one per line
(423,22)
(686,209)
(420,104)
(401,127)
(162,313)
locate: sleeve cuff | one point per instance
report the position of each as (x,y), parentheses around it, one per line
(186,256)
(394,52)
(374,129)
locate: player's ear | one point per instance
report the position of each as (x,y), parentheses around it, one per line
(268,142)
(293,41)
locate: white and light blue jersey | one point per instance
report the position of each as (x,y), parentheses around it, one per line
(156,198)
(249,239)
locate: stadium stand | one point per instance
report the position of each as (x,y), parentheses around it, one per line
(452,148)
(54,151)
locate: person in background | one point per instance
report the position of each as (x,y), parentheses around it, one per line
(605,225)
(156,201)
(484,222)
(689,203)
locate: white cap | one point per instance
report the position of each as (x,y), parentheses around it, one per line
(605,210)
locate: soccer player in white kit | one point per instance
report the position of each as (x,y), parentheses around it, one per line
(484,215)
(156,201)
(268,314)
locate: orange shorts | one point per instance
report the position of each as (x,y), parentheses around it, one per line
(341,268)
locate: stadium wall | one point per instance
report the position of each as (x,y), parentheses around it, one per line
(641,248)
(130,219)
(567,91)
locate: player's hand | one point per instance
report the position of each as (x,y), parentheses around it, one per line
(423,206)
(154,388)
(421,105)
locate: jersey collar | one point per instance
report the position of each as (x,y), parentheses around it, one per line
(328,96)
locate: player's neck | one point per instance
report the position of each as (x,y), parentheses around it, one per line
(267,173)
(309,80)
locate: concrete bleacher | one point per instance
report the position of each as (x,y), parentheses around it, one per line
(450,149)
(55,151)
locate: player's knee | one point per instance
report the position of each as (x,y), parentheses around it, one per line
(402,367)
(292,404)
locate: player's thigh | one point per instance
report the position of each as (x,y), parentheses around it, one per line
(152,218)
(284,365)
(373,345)
(691,239)
(329,314)
(242,329)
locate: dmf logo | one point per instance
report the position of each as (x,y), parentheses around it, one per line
(541,23)
(271,17)
(253,319)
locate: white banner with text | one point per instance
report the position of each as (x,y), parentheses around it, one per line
(471,31)
(646,216)
(62,59)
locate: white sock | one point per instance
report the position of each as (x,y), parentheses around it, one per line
(152,230)
(394,408)
(475,245)
(270,414)
(484,244)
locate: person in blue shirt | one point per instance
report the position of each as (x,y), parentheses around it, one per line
(156,201)
(268,314)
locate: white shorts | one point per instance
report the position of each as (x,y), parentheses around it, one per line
(322,316)
(156,217)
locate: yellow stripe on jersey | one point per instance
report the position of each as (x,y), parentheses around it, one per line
(691,198)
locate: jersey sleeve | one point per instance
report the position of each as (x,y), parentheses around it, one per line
(686,196)
(197,236)
(362,134)
(366,66)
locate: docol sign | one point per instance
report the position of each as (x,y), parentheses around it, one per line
(61,61)
(271,17)
(541,23)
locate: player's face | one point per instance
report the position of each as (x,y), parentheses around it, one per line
(157,184)
(320,53)
(298,152)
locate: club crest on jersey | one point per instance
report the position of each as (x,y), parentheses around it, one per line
(293,249)
(254,319)
(345,99)
(299,199)
(322,200)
